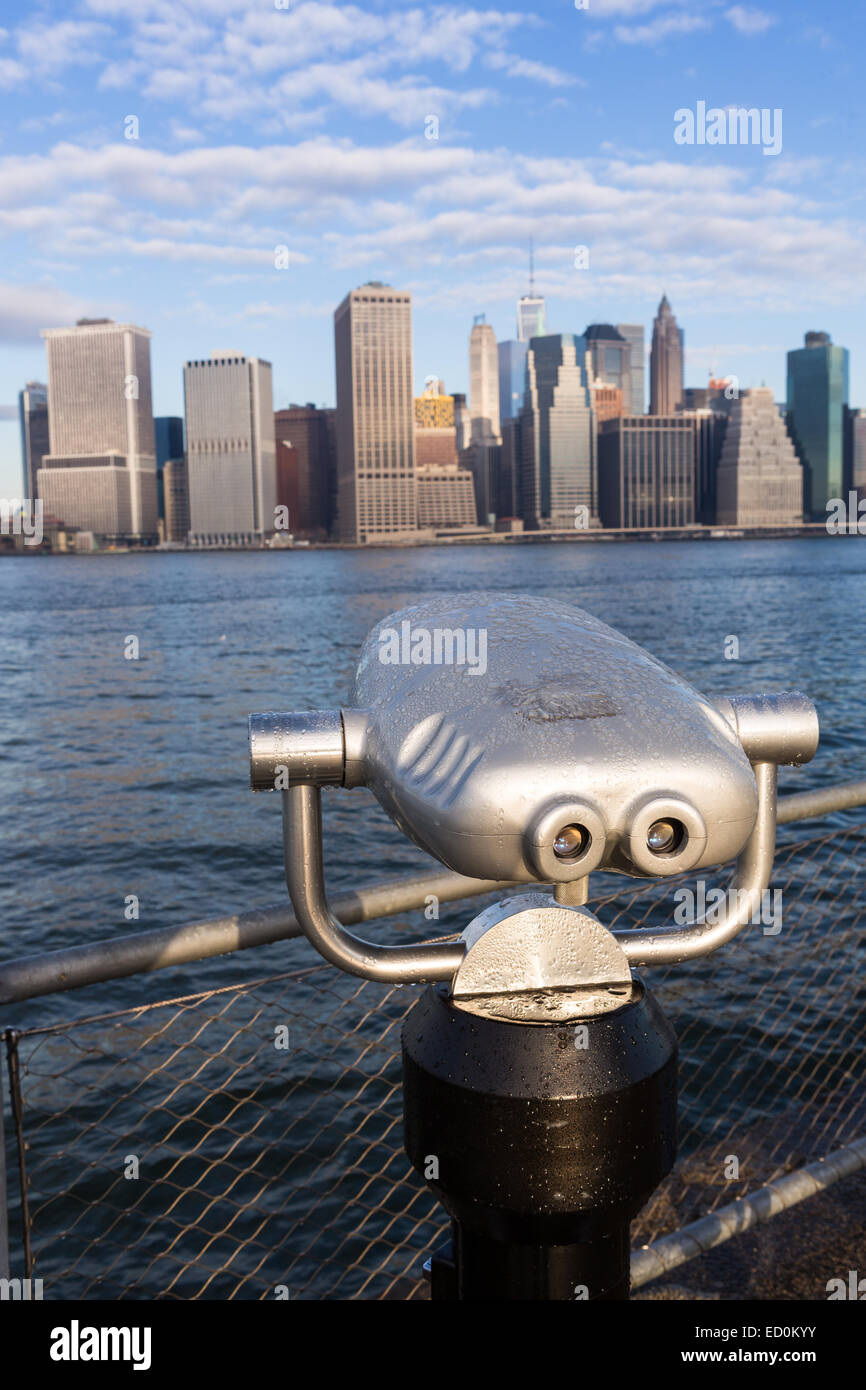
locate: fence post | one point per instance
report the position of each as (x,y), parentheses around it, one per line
(4,1202)
(11,1036)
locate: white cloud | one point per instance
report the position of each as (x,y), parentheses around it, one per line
(606,9)
(527,67)
(749,21)
(12,74)
(662,28)
(25,309)
(49,48)
(412,207)
(245,59)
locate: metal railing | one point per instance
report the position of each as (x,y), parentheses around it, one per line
(246,1142)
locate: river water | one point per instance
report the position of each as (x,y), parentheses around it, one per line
(126,778)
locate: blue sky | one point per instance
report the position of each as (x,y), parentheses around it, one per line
(266,123)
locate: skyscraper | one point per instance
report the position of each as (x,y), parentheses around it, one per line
(483,381)
(666,362)
(857,425)
(175,487)
(230,446)
(817,397)
(760,479)
(512,378)
(168,437)
(446,498)
(634,336)
(33,414)
(100,474)
(531,317)
(483,460)
(531,311)
(462,422)
(610,360)
(558,466)
(648,471)
(435,430)
(304,442)
(375,414)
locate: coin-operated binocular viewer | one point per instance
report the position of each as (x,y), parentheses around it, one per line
(520,740)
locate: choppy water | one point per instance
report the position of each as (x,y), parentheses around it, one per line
(123,777)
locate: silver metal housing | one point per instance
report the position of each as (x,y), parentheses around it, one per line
(568,722)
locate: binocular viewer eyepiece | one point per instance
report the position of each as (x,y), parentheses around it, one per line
(520,741)
(573,750)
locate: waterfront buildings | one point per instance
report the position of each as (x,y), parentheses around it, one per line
(512,378)
(817,397)
(760,479)
(666,362)
(610,360)
(435,430)
(100,472)
(606,401)
(557,430)
(230,447)
(446,497)
(304,439)
(175,492)
(33,418)
(531,317)
(634,336)
(857,451)
(648,467)
(377,490)
(483,381)
(168,440)
(483,460)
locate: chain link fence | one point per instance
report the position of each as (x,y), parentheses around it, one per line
(247,1142)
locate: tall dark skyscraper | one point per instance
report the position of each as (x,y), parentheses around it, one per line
(666,362)
(304,444)
(610,360)
(817,397)
(512,378)
(857,463)
(168,439)
(648,470)
(633,334)
(33,414)
(558,463)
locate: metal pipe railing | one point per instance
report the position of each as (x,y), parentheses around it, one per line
(820,802)
(114,958)
(652,1261)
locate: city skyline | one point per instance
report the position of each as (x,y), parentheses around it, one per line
(157,190)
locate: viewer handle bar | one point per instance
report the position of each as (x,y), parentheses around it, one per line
(667,945)
(305,880)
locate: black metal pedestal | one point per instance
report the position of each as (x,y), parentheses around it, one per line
(541,1151)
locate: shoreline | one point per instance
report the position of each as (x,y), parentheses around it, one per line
(600,536)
